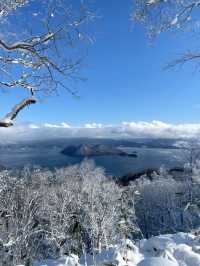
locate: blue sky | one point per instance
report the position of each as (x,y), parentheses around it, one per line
(125,80)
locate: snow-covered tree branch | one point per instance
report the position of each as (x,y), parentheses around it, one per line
(159,16)
(46,56)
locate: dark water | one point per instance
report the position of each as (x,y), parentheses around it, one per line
(114,165)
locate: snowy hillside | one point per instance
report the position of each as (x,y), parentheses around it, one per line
(180,249)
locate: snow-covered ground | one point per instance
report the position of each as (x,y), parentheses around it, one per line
(180,249)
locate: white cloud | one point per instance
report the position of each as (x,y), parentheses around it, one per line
(65,125)
(62,125)
(33,126)
(141,129)
(93,125)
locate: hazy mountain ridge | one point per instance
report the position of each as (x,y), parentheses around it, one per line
(138,143)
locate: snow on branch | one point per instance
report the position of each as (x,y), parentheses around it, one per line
(7,121)
(43,59)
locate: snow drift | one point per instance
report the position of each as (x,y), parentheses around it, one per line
(181,249)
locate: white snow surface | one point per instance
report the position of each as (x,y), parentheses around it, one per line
(64,261)
(181,249)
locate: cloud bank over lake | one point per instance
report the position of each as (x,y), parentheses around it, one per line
(154,129)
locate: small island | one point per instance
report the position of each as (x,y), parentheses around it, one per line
(87,150)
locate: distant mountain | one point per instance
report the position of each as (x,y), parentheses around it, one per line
(94,150)
(62,142)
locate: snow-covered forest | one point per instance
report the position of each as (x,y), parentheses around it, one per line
(79,210)
(79,215)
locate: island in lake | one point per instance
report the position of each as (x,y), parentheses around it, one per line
(87,150)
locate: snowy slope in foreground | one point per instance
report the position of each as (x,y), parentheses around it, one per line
(180,249)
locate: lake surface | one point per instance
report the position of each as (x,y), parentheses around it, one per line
(114,165)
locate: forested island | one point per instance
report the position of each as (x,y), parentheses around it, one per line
(87,150)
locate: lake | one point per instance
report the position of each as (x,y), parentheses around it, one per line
(114,165)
